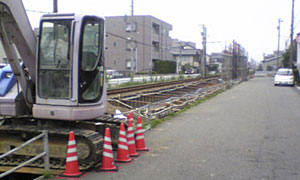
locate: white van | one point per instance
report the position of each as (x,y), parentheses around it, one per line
(284,76)
(110,73)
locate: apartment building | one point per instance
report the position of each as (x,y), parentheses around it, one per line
(134,43)
(186,53)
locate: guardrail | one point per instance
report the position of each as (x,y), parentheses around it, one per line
(44,154)
(118,81)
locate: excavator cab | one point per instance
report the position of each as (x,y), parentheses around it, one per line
(61,79)
(70,68)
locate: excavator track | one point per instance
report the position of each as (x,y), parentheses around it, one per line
(89,142)
(88,134)
(89,146)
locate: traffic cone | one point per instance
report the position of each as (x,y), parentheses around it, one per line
(130,139)
(123,155)
(72,167)
(108,157)
(139,140)
(130,116)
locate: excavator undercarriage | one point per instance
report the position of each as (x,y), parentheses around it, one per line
(89,139)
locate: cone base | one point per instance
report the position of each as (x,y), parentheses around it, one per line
(113,169)
(124,160)
(68,175)
(127,163)
(143,149)
(134,155)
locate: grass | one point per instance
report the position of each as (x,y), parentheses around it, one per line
(48,175)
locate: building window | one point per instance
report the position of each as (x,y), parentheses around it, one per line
(130,45)
(131,27)
(155,45)
(128,63)
(155,28)
(115,44)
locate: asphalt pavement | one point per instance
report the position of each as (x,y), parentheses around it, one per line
(250,132)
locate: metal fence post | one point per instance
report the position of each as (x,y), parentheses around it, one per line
(46,150)
(172,110)
(149,115)
(44,154)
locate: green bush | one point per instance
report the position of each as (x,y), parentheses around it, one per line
(296,75)
(142,73)
(164,67)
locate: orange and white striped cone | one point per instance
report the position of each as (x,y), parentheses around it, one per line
(123,155)
(130,116)
(72,167)
(139,139)
(130,139)
(108,157)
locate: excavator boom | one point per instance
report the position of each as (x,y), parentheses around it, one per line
(18,39)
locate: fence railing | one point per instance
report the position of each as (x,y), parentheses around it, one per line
(153,111)
(44,154)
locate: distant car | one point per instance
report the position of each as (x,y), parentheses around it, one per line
(189,71)
(110,73)
(212,73)
(284,76)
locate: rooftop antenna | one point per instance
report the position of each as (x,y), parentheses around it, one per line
(55,6)
(132,7)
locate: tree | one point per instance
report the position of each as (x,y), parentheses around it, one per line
(286,56)
(269,68)
(260,67)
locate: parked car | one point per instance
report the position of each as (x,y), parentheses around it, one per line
(284,76)
(189,71)
(110,73)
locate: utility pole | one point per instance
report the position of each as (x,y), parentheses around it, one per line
(55,6)
(278,49)
(204,50)
(132,44)
(180,58)
(292,34)
(233,60)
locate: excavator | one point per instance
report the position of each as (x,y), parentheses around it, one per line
(54,81)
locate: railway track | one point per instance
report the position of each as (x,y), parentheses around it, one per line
(129,89)
(159,95)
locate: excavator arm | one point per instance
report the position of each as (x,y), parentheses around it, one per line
(18,39)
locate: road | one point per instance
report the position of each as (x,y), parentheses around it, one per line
(250,132)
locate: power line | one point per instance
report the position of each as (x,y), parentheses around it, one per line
(35,11)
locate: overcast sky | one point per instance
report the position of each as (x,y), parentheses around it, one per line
(252,23)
